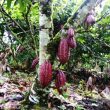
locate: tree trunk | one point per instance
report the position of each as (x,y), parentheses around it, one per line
(45,33)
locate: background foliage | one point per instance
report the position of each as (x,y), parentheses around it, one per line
(20,19)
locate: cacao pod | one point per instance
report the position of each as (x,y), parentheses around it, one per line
(70,32)
(90,19)
(63,51)
(34,63)
(45,73)
(71,42)
(2,55)
(60,80)
(20,48)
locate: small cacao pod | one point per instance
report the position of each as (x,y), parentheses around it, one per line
(2,55)
(63,51)
(20,48)
(60,80)
(90,19)
(45,73)
(70,32)
(71,42)
(34,63)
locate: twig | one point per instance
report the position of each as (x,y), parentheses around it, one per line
(29,7)
(14,35)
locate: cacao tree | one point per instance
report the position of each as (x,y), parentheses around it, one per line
(27,18)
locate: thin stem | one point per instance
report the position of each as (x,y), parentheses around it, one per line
(32,34)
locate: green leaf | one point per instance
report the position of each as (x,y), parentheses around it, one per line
(9,3)
(22,5)
(81,40)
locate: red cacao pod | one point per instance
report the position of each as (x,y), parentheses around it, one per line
(45,73)
(90,19)
(34,63)
(63,51)
(70,32)
(60,80)
(71,42)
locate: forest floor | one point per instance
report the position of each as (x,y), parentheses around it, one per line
(15,88)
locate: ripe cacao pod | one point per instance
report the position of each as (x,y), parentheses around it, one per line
(71,42)
(63,51)
(90,19)
(60,80)
(34,63)
(45,73)
(70,32)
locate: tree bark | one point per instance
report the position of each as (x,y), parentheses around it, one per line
(45,33)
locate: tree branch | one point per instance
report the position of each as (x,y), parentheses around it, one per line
(80,13)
